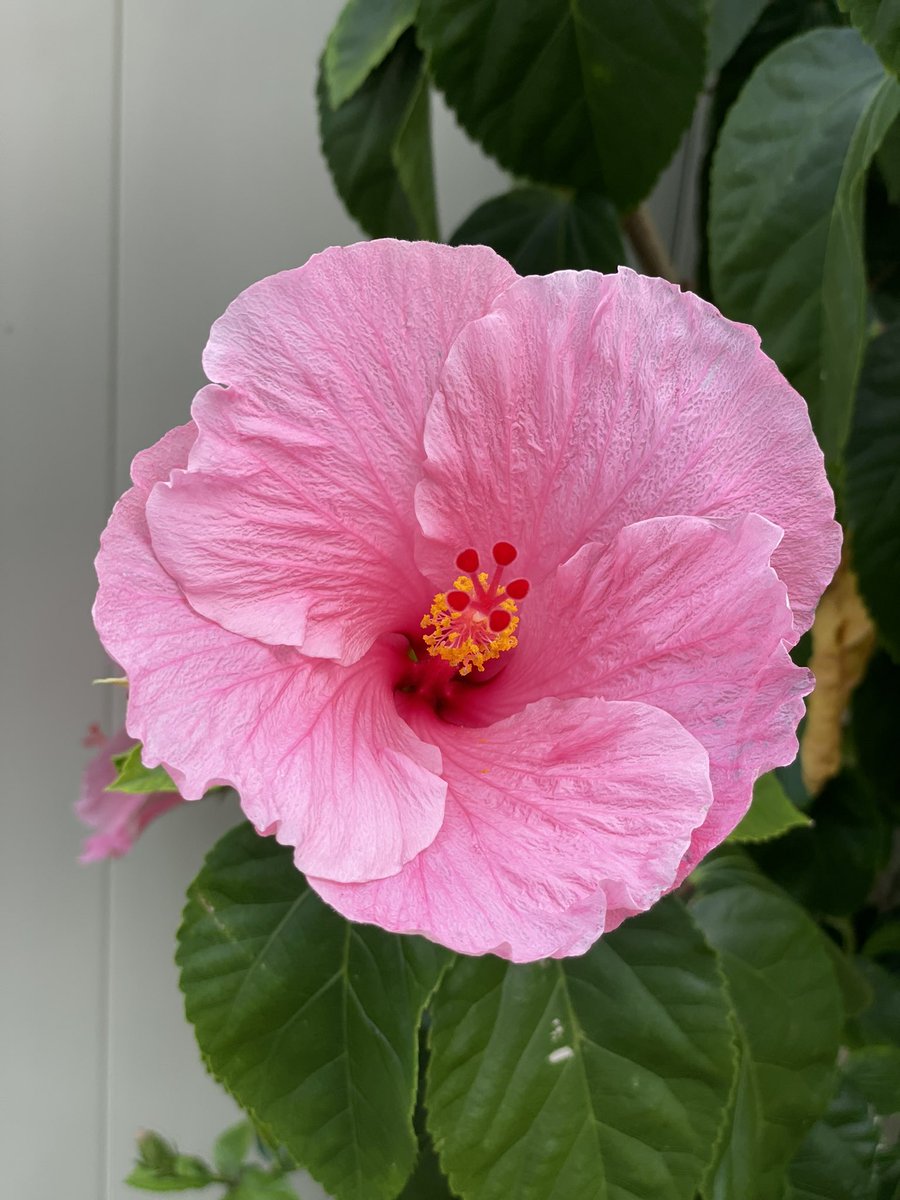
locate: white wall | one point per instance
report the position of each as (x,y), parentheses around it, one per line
(156,156)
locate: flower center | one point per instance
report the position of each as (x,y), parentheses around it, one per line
(476,619)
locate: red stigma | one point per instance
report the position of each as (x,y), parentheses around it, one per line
(467,560)
(504,553)
(518,589)
(499,619)
(457,600)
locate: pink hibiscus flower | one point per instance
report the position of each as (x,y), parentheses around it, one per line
(118,819)
(478,589)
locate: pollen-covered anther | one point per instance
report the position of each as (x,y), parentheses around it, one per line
(476,619)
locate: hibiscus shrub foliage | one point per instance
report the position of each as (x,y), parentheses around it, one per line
(734,1034)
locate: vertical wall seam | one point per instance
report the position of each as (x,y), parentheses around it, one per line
(112,439)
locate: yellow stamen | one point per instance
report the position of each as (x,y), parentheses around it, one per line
(465,639)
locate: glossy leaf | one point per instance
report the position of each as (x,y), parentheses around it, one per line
(837,1158)
(378,147)
(831,866)
(789,1017)
(844,286)
(873,486)
(770,815)
(539,230)
(304,1017)
(136,779)
(567,93)
(778,183)
(730,22)
(604,1076)
(879,23)
(363,35)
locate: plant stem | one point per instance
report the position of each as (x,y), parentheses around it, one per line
(649,247)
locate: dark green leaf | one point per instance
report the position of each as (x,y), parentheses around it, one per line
(778,23)
(831,866)
(136,779)
(879,1023)
(539,230)
(836,1160)
(785,185)
(876,701)
(855,990)
(363,35)
(232,1147)
(845,301)
(888,1170)
(305,1018)
(789,1017)
(875,1073)
(604,1076)
(879,23)
(883,940)
(730,23)
(888,160)
(592,96)
(770,815)
(873,487)
(378,147)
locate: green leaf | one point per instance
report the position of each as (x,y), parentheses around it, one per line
(879,23)
(883,940)
(845,301)
(831,866)
(136,779)
(836,1160)
(856,993)
(155,1152)
(786,181)
(183,1174)
(770,815)
(309,1021)
(879,1023)
(539,230)
(789,1017)
(378,147)
(257,1184)
(604,1076)
(875,704)
(873,488)
(875,1073)
(362,37)
(567,93)
(730,23)
(888,160)
(232,1147)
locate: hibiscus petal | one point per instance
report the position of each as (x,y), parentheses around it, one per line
(683,613)
(585,402)
(553,816)
(317,752)
(295,522)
